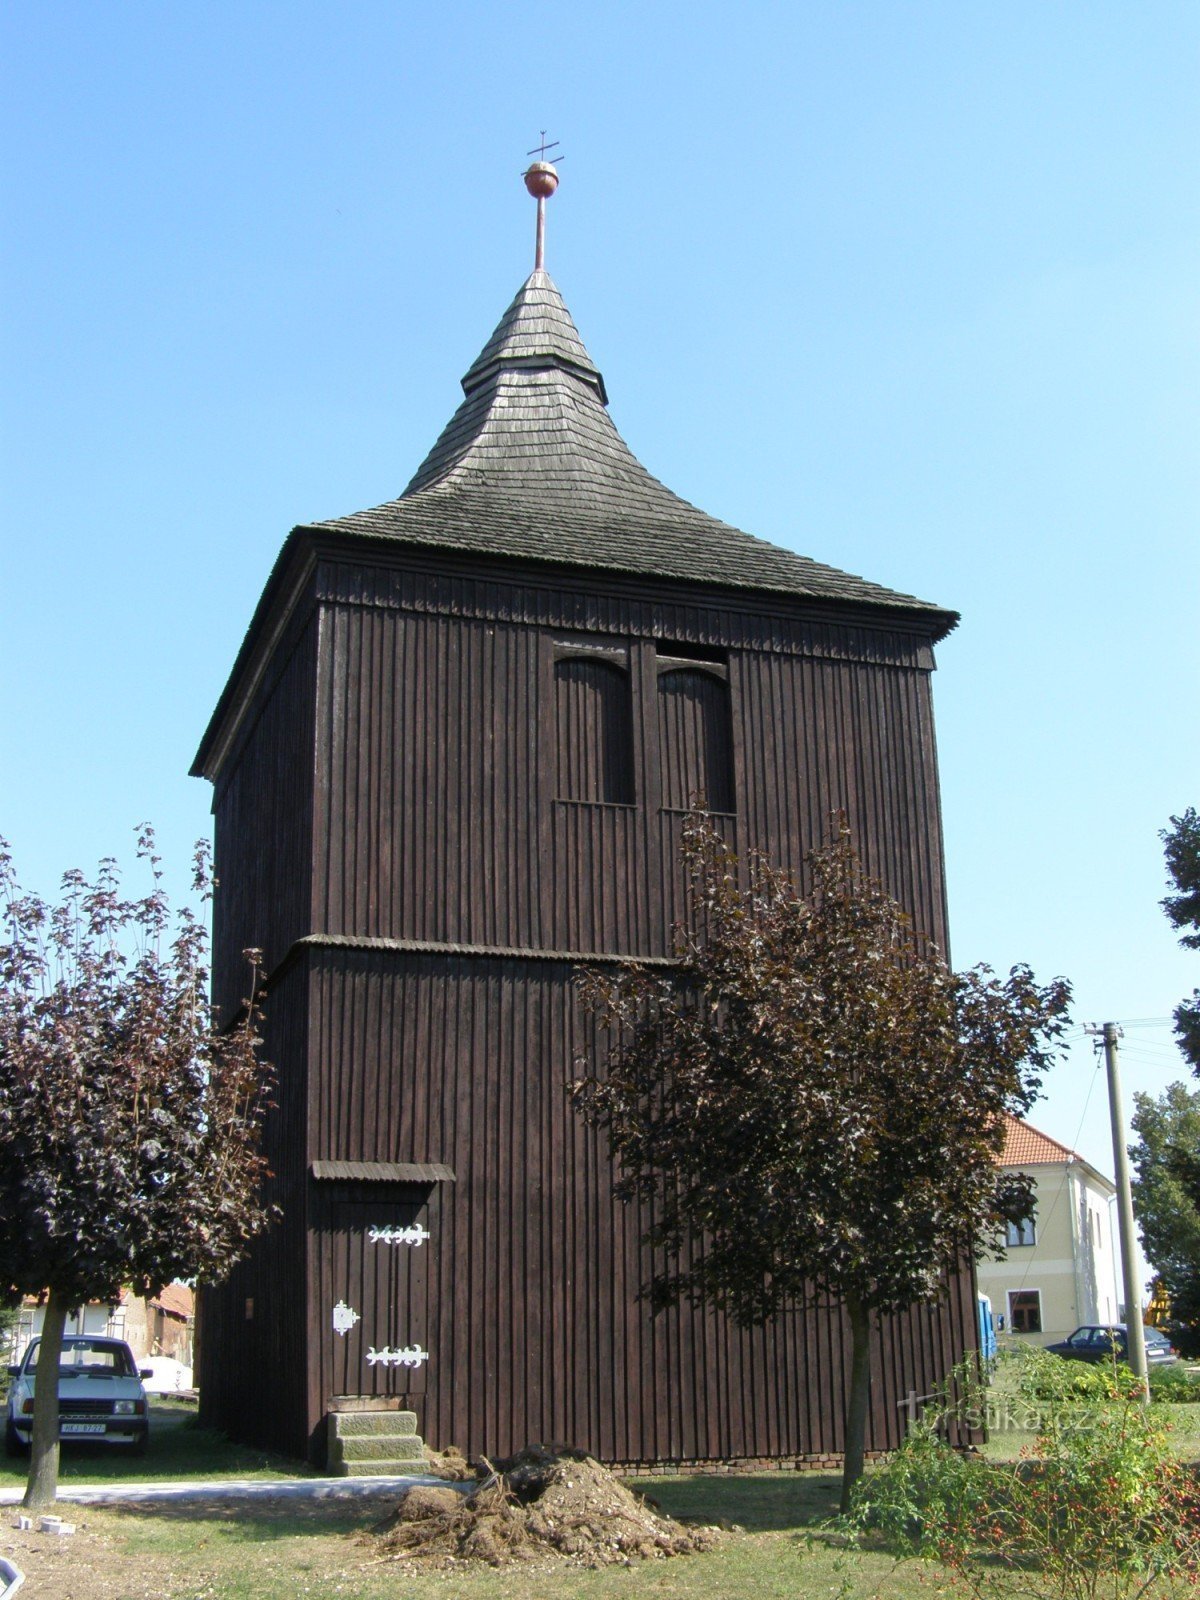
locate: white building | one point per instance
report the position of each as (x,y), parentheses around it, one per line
(1061,1267)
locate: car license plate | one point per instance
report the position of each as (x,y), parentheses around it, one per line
(82,1427)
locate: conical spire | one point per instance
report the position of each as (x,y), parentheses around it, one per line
(535,331)
(534,418)
(531,467)
(531,473)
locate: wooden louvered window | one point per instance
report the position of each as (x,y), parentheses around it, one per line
(695,735)
(594,725)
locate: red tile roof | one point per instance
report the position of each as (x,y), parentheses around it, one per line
(176,1300)
(1027,1147)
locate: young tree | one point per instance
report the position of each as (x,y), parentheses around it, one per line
(811,1101)
(129,1126)
(1182,849)
(1168,1137)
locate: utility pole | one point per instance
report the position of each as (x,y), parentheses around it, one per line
(1134,1332)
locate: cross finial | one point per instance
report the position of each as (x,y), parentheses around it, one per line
(541,180)
(540,150)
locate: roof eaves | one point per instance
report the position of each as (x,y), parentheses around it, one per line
(930,620)
(276,605)
(300,551)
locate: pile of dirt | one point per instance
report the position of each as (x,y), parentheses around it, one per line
(546,1502)
(450,1464)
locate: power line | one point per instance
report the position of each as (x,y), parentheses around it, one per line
(1145,1022)
(1154,1062)
(1058,1194)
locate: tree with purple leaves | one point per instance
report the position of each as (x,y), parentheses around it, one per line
(811,1102)
(129,1124)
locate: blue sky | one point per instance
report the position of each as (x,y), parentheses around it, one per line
(910,288)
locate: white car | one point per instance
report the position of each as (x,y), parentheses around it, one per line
(165,1375)
(101,1397)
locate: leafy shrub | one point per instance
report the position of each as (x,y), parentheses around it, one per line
(920,1501)
(1186,1339)
(1096,1507)
(1041,1376)
(1176,1384)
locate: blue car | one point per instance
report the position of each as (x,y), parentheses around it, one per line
(1100,1342)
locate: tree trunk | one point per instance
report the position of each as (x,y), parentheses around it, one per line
(859,1398)
(42,1487)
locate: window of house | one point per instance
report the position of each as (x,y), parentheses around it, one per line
(1025,1310)
(695,734)
(594,728)
(1022,1232)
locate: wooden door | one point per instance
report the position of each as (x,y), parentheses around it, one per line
(376,1255)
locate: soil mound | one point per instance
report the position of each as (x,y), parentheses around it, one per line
(545,1503)
(449,1463)
(424,1502)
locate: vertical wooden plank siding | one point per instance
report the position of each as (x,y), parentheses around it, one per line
(695,740)
(264,824)
(440,823)
(250,1357)
(252,1327)
(457,796)
(594,732)
(520,1352)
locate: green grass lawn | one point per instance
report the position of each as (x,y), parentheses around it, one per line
(1185,1430)
(324,1552)
(178,1449)
(774,1547)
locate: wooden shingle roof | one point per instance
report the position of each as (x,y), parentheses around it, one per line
(530,466)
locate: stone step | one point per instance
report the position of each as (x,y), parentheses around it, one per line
(357,1424)
(387,1447)
(375,1469)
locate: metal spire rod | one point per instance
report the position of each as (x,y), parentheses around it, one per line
(541,179)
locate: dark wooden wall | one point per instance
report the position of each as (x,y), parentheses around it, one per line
(453,784)
(695,739)
(533,1324)
(250,1335)
(451,773)
(263,808)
